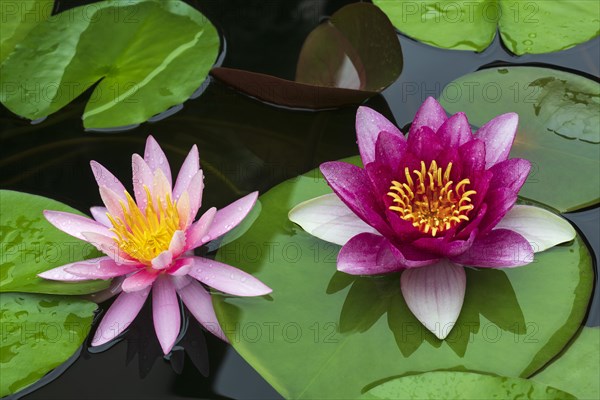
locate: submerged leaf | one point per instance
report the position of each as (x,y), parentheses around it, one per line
(31,245)
(158,55)
(559,127)
(38,333)
(345,60)
(443,385)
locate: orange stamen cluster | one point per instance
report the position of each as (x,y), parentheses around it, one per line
(144,235)
(431,200)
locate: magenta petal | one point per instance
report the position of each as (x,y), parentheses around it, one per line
(74,225)
(369,124)
(472,155)
(499,248)
(165,313)
(226,278)
(196,235)
(139,281)
(156,159)
(499,202)
(105,178)
(444,247)
(349,182)
(431,114)
(510,174)
(229,217)
(199,302)
(99,214)
(498,136)
(435,295)
(190,167)
(456,131)
(119,316)
(142,178)
(367,254)
(425,145)
(102,268)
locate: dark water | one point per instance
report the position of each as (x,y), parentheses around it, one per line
(244,145)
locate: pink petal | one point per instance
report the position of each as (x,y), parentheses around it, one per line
(226,278)
(99,214)
(197,233)
(184,211)
(142,176)
(229,217)
(139,281)
(108,293)
(62,274)
(105,178)
(161,188)
(105,268)
(369,123)
(501,248)
(431,114)
(181,267)
(498,136)
(328,218)
(163,260)
(190,167)
(199,302)
(119,316)
(74,225)
(177,245)
(435,295)
(156,159)
(109,247)
(195,189)
(112,202)
(456,131)
(165,313)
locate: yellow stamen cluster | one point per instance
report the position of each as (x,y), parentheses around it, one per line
(430,200)
(144,235)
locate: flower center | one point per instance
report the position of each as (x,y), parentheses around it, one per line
(430,200)
(144,235)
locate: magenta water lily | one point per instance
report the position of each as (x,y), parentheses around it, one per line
(430,204)
(149,242)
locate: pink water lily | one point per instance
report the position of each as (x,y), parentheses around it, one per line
(148,245)
(429,204)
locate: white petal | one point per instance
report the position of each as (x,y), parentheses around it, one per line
(327,218)
(541,228)
(435,295)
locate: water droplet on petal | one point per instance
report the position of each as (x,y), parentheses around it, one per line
(205,238)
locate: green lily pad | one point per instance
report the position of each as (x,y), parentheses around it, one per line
(38,333)
(18,18)
(463,386)
(158,54)
(30,245)
(559,127)
(578,368)
(325,334)
(526,26)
